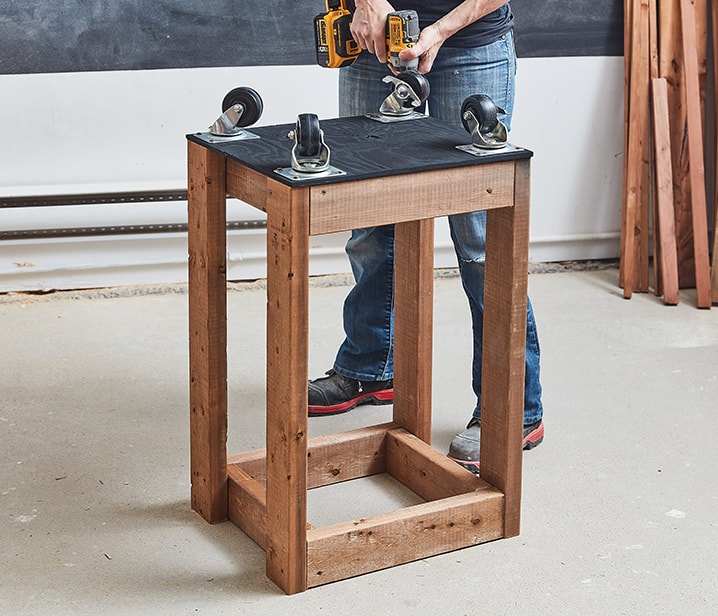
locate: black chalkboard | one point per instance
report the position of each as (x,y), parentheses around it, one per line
(46,36)
(548,28)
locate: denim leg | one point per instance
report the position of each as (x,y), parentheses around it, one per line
(459,73)
(468,232)
(367,353)
(487,70)
(361,89)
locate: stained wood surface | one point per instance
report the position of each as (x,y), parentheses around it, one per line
(695,153)
(714,263)
(429,473)
(665,222)
(504,345)
(270,486)
(671,67)
(634,229)
(207,333)
(666,39)
(248,505)
(385,540)
(400,198)
(413,325)
(287,374)
(627,58)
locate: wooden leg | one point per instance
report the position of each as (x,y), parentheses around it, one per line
(287,374)
(413,325)
(504,347)
(207,332)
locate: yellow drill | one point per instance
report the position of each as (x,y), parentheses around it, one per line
(336,47)
(402,32)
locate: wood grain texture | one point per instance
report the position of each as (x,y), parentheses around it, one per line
(347,455)
(247,185)
(331,458)
(653,202)
(504,348)
(634,243)
(248,505)
(671,67)
(270,486)
(410,197)
(413,325)
(627,56)
(665,230)
(694,125)
(207,333)
(714,262)
(429,473)
(287,374)
(412,533)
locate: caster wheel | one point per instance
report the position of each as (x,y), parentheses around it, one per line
(417,82)
(483,109)
(250,101)
(308,135)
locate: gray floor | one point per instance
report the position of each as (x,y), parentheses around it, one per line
(620,510)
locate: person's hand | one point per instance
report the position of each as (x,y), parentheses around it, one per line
(369,26)
(426,48)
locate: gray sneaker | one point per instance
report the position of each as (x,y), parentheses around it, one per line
(465,447)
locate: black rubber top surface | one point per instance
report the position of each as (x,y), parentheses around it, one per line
(363,148)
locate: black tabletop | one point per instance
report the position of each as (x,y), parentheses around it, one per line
(360,147)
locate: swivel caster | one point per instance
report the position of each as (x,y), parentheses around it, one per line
(410,90)
(479,116)
(310,154)
(241,107)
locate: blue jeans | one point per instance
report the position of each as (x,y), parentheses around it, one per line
(367,351)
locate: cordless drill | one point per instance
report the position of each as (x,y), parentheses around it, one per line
(402,32)
(336,47)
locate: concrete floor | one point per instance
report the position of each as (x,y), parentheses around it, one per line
(620,509)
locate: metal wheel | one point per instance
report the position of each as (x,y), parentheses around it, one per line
(308,135)
(417,82)
(250,101)
(485,111)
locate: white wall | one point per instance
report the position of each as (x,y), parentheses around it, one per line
(569,111)
(125,131)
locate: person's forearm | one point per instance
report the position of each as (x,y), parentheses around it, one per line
(433,36)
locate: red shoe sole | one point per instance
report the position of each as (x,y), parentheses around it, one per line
(383,396)
(534,437)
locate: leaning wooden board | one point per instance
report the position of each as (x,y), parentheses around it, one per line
(714,269)
(695,153)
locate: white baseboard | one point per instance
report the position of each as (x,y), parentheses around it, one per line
(108,261)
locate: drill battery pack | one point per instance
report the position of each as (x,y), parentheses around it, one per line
(335,46)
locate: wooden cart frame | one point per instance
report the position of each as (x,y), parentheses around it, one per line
(264,492)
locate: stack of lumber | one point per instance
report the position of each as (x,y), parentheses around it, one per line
(671,49)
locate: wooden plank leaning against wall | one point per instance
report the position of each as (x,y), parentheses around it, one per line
(668,40)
